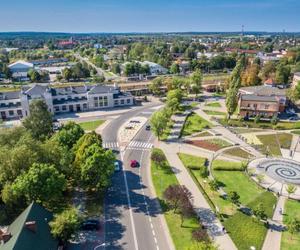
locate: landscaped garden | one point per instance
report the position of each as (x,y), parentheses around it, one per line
(91,125)
(162,178)
(291,211)
(193,124)
(238,152)
(214,144)
(245,230)
(214,112)
(260,124)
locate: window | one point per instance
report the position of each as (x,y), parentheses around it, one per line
(255,105)
(116,102)
(84,106)
(128,100)
(248,105)
(96,104)
(64,107)
(267,106)
(105,98)
(101,104)
(95,98)
(105,103)
(122,102)
(19,112)
(11,112)
(56,109)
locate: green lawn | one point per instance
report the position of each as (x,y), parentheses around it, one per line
(162,178)
(238,152)
(220,142)
(227,165)
(261,124)
(238,181)
(91,125)
(193,124)
(213,104)
(268,199)
(296,132)
(245,231)
(285,140)
(292,210)
(270,144)
(213,112)
(212,197)
(203,134)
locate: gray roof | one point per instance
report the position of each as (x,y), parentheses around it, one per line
(98,89)
(258,98)
(35,90)
(69,90)
(10,95)
(263,90)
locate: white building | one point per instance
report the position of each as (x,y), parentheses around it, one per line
(155,69)
(20,69)
(62,99)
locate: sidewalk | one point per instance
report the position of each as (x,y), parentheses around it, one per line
(206,215)
(273,238)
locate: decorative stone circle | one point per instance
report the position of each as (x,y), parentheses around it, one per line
(282,170)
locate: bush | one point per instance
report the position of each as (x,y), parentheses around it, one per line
(204,173)
(257,119)
(214,184)
(228,166)
(193,167)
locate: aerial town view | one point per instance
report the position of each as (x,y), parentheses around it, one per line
(150,125)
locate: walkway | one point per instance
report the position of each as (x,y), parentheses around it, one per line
(206,215)
(273,238)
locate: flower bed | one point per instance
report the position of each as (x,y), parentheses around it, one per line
(212,145)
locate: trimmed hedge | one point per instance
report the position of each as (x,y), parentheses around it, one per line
(221,165)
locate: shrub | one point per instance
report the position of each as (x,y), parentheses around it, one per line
(204,173)
(214,184)
(228,166)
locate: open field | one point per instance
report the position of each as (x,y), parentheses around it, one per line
(91,125)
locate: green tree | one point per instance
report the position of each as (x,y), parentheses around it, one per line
(42,183)
(39,121)
(158,157)
(159,122)
(69,134)
(234,197)
(231,101)
(293,227)
(156,85)
(175,68)
(196,81)
(34,75)
(282,73)
(65,224)
(97,169)
(259,211)
(67,74)
(290,188)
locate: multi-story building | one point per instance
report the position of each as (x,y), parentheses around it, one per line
(265,101)
(62,99)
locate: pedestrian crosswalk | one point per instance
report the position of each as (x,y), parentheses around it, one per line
(139,145)
(111,145)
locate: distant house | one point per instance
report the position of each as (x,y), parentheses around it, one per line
(296,79)
(67,44)
(29,231)
(20,69)
(155,69)
(265,101)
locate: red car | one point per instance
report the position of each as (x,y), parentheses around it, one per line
(134,163)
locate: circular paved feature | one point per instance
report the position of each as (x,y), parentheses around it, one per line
(282,170)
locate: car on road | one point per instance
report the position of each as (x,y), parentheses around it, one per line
(134,121)
(128,127)
(117,166)
(148,127)
(134,163)
(294,118)
(90,224)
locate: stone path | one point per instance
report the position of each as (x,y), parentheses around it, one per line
(273,238)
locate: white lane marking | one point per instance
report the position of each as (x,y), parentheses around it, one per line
(129,205)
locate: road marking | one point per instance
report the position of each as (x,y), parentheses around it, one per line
(129,205)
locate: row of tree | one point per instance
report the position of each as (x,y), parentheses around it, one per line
(42,166)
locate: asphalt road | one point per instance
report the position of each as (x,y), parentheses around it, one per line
(133,218)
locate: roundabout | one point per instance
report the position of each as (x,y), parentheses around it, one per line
(275,174)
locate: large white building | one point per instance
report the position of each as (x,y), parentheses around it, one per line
(62,99)
(20,69)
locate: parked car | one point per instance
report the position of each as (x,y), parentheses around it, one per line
(117,166)
(128,127)
(134,121)
(294,118)
(148,127)
(134,163)
(90,224)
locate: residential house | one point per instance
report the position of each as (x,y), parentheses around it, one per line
(265,101)
(29,231)
(155,69)
(62,99)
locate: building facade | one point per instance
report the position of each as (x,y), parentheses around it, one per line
(20,70)
(265,101)
(62,99)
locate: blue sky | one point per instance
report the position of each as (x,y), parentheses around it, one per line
(149,15)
